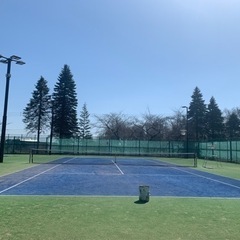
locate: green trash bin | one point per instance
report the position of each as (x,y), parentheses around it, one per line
(144,193)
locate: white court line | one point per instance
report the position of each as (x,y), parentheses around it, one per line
(208,178)
(119,169)
(68,160)
(26,180)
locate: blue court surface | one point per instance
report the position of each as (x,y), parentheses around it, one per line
(89,177)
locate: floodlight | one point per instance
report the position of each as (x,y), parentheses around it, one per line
(20,62)
(183,132)
(15,58)
(4,61)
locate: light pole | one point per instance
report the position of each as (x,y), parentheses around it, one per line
(186,127)
(8,61)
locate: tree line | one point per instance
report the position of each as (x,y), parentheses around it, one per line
(57,112)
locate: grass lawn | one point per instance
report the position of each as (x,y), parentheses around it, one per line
(54,217)
(118,218)
(13,163)
(231,170)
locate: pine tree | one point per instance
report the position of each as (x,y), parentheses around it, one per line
(233,126)
(197,115)
(36,115)
(84,123)
(214,120)
(65,122)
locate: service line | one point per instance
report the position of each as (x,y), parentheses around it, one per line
(119,169)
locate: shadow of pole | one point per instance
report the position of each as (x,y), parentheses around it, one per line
(141,202)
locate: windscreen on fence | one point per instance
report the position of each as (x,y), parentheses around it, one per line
(225,150)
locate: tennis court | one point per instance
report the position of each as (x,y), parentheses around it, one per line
(116,176)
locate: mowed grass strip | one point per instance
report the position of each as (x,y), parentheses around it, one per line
(13,163)
(226,169)
(118,218)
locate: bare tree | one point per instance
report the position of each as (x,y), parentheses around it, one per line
(154,126)
(113,126)
(177,125)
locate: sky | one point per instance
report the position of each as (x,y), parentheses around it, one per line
(128,56)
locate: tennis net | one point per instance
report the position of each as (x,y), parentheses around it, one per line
(68,157)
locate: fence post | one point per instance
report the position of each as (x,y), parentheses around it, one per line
(14,141)
(139,147)
(231,150)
